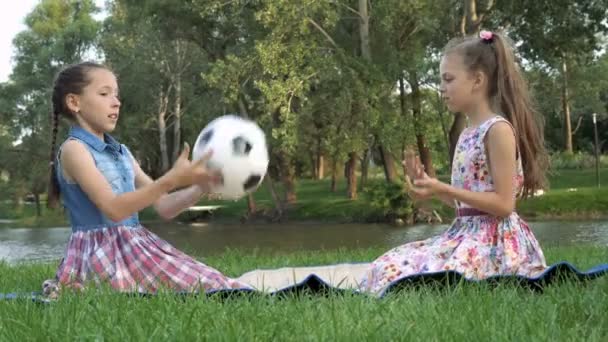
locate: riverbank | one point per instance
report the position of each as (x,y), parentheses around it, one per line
(572,196)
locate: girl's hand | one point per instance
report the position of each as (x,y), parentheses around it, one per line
(211,178)
(185,172)
(413,169)
(412,165)
(425,187)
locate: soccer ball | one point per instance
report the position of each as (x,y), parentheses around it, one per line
(239,152)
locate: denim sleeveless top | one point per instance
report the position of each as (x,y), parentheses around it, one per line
(115,162)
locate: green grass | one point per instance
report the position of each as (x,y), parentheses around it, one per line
(582,203)
(565,179)
(565,311)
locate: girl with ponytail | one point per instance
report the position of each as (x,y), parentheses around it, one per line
(499,157)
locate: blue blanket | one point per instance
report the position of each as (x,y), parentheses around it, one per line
(555,273)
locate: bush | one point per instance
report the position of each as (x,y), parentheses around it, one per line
(388,200)
(577,160)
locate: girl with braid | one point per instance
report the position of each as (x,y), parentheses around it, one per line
(103,188)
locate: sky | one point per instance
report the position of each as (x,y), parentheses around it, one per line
(12,18)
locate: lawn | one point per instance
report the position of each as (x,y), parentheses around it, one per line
(565,311)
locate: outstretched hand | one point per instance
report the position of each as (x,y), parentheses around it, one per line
(211,177)
(186,172)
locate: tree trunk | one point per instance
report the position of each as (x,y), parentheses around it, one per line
(278,204)
(320,167)
(286,167)
(365,166)
(38,206)
(402,98)
(423,149)
(242,107)
(177,112)
(319,161)
(313,162)
(472,18)
(351,190)
(404,152)
(444,129)
(470,24)
(387,159)
(251,207)
(17,201)
(334,174)
(177,125)
(162,129)
(390,173)
(364,30)
(404,116)
(288,173)
(566,107)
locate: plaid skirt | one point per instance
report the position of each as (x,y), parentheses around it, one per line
(133,259)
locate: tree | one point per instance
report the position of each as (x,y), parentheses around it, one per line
(142,54)
(474,14)
(59,32)
(558,35)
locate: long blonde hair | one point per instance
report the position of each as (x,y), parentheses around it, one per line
(493,55)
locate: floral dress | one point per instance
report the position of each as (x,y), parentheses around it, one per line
(476,245)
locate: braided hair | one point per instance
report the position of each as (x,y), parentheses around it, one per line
(71,80)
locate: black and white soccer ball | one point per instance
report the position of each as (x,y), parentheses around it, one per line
(239,152)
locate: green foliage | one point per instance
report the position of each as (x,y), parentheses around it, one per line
(577,160)
(574,30)
(389,200)
(297,68)
(58,32)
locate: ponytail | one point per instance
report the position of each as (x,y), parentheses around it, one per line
(492,54)
(514,101)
